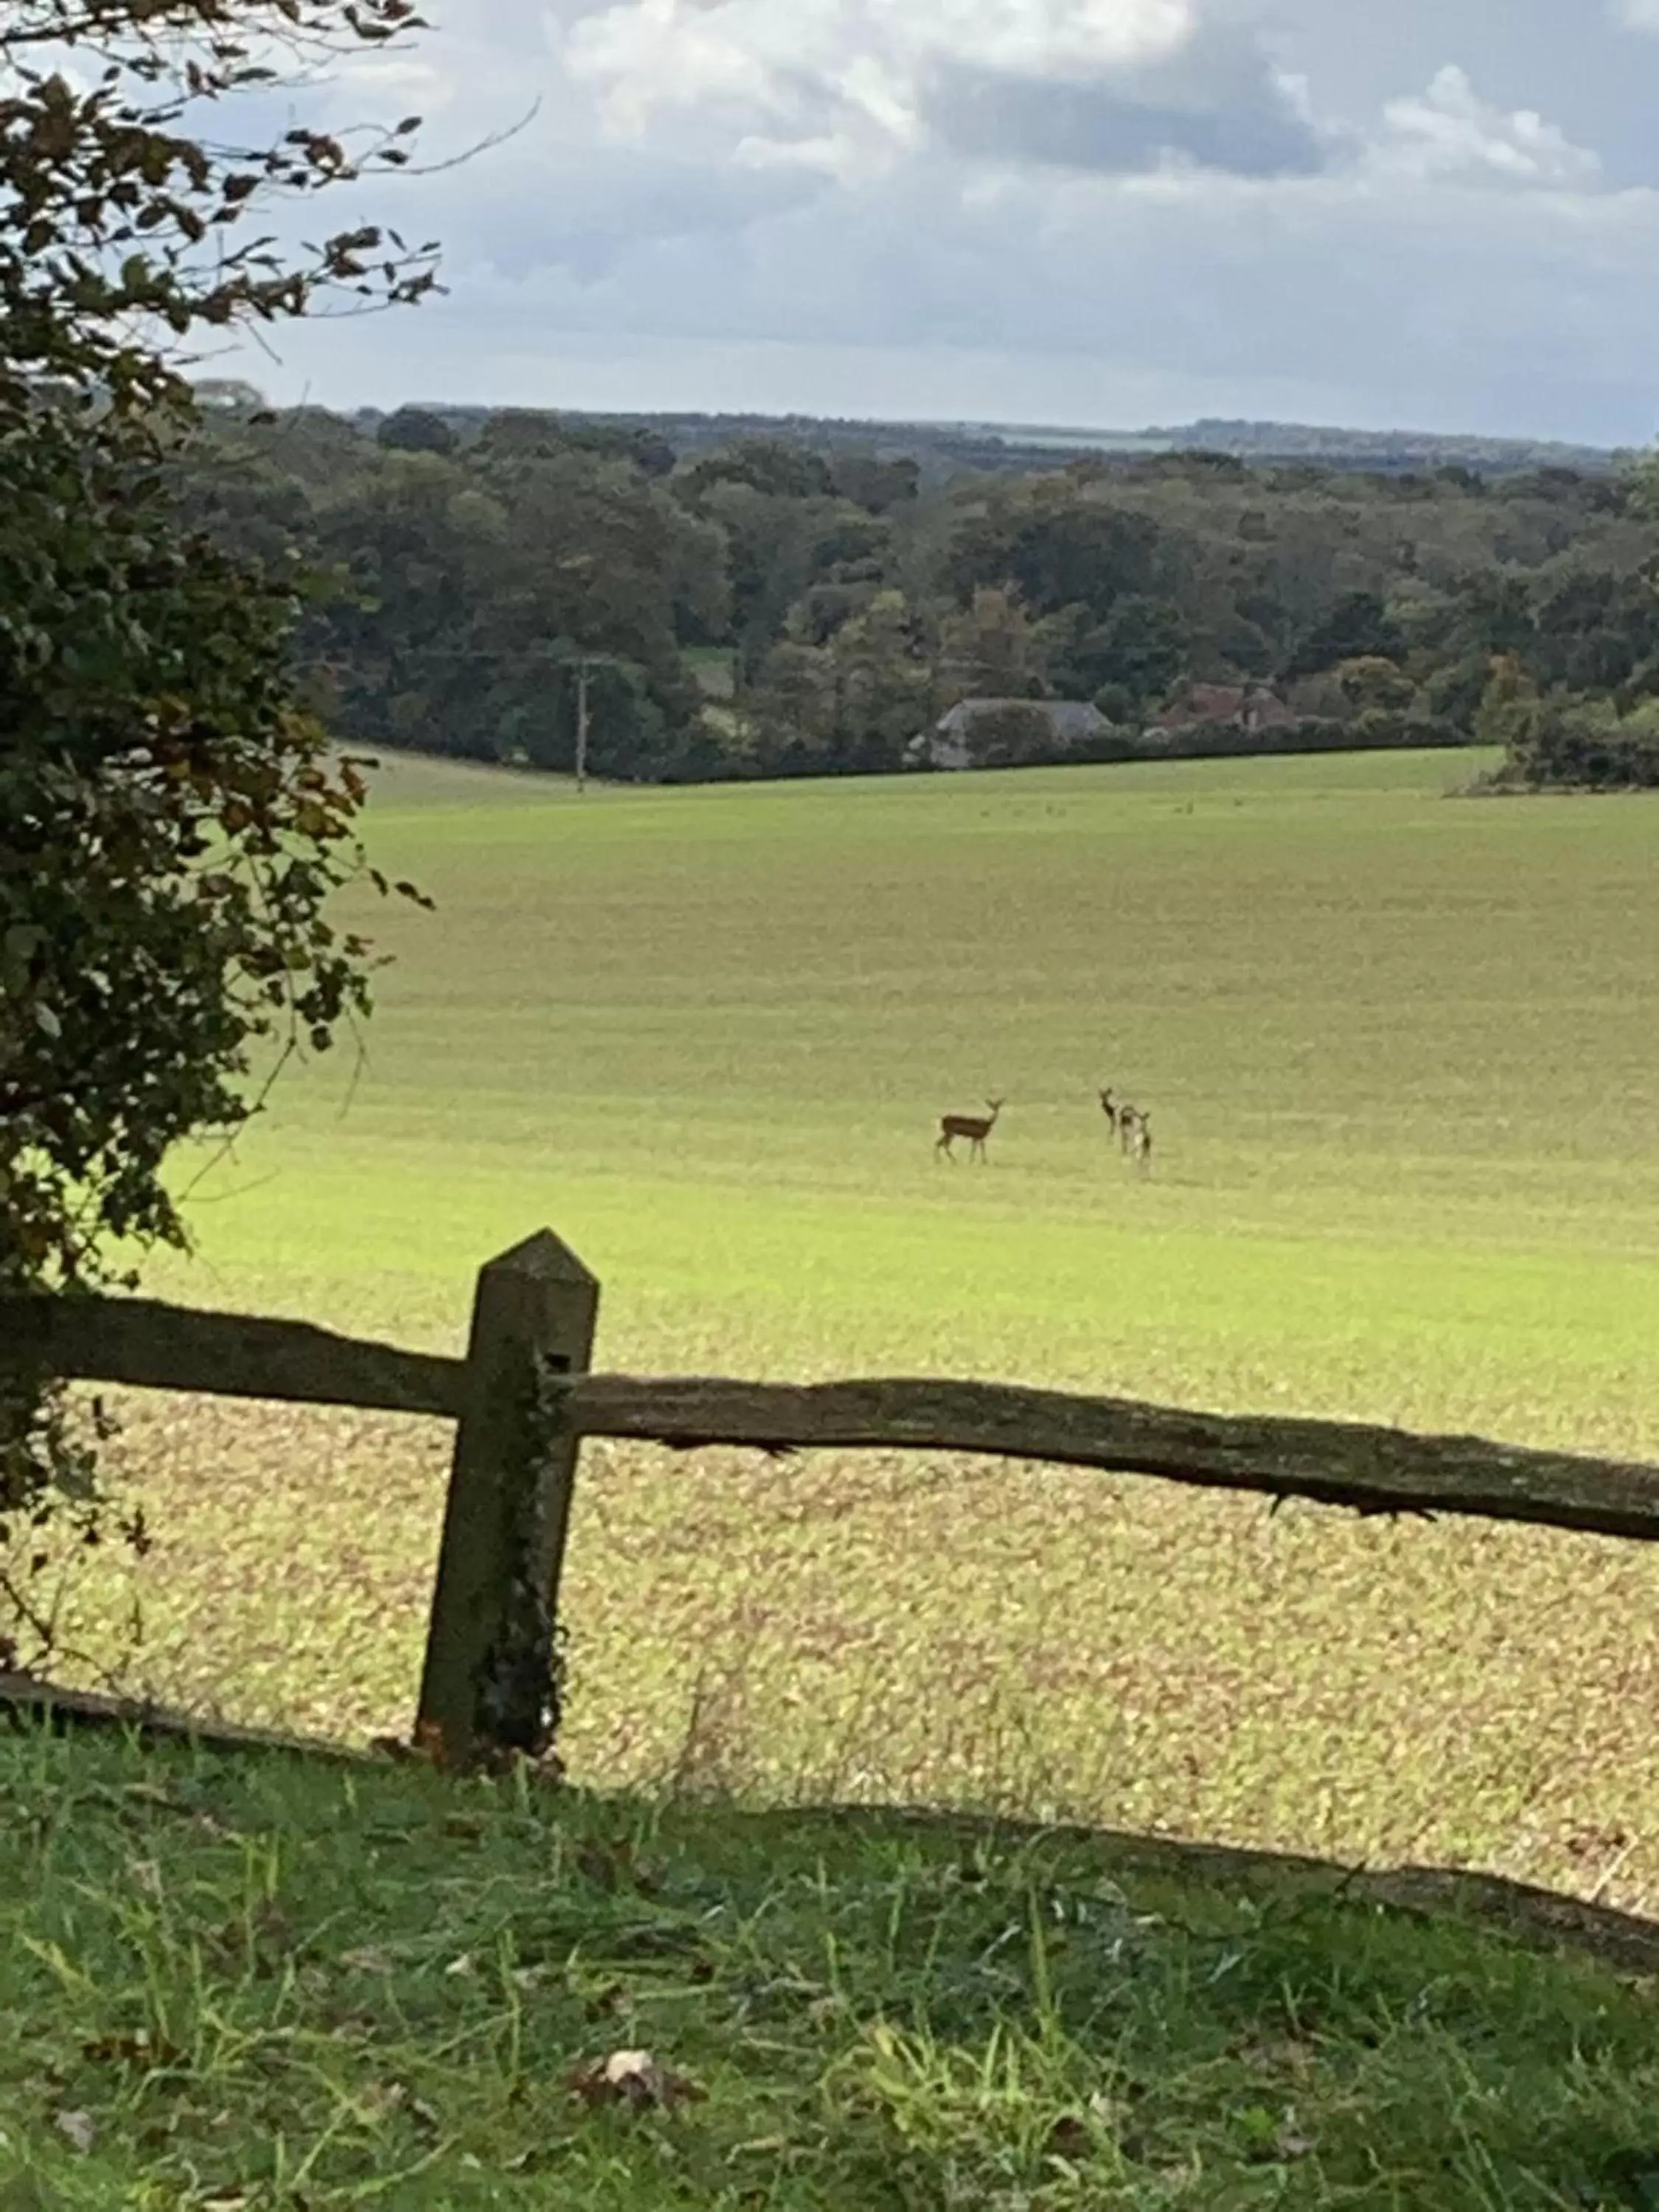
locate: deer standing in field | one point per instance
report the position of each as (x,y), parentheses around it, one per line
(1141,1144)
(952,1125)
(1128,1119)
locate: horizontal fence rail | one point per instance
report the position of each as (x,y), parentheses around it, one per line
(523,1400)
(151,1346)
(1341,1463)
(1344,1463)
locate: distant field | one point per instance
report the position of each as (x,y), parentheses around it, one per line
(1404,1064)
(714,667)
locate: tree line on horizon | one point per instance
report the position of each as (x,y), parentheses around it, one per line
(768,607)
(944,449)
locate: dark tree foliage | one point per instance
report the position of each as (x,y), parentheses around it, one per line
(1576,743)
(1061,551)
(416,431)
(531,434)
(1357,628)
(879,486)
(171,822)
(474,582)
(1136,654)
(773,466)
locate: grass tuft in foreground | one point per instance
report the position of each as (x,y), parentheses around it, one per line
(264,1981)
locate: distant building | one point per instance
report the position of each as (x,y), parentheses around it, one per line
(1246,707)
(1071,724)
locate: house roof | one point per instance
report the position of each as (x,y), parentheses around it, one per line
(1070,719)
(1223,702)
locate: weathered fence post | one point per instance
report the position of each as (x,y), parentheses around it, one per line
(490,1685)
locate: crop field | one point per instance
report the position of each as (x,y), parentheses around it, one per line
(1403,1065)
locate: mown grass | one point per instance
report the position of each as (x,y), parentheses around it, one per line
(257,1982)
(1402,1064)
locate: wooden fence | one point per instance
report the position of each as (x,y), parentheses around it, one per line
(524,1398)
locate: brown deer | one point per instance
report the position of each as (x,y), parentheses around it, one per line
(952,1125)
(1141,1144)
(1127,1118)
(1109,1107)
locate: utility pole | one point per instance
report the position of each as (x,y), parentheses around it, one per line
(583,667)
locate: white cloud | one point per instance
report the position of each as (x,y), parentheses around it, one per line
(1450,132)
(869,56)
(854,86)
(1119,211)
(1635,14)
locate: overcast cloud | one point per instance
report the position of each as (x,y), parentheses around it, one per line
(1089,212)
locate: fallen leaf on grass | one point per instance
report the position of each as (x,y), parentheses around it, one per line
(632,2078)
(78,2128)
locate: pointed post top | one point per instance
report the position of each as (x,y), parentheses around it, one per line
(544,1257)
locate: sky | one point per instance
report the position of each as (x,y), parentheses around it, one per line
(1426,214)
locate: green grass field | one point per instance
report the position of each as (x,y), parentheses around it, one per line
(1403,1063)
(253,1984)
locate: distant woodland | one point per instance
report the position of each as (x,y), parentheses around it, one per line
(734,599)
